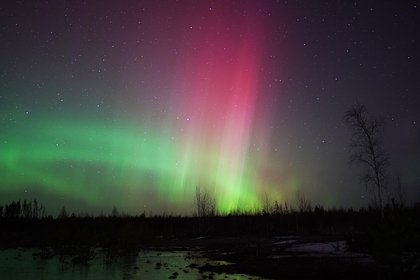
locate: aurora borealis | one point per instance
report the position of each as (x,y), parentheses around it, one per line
(135,103)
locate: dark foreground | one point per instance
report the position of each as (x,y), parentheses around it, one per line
(313,245)
(297,257)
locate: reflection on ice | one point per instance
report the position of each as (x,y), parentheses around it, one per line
(22,264)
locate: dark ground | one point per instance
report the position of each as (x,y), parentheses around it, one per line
(253,244)
(263,256)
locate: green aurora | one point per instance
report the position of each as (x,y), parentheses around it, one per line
(80,160)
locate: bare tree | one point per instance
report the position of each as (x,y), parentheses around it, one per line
(205,204)
(303,203)
(63,213)
(366,148)
(399,190)
(114,212)
(266,207)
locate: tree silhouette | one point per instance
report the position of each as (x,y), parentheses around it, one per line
(114,212)
(366,148)
(266,205)
(25,210)
(399,190)
(63,213)
(303,203)
(204,202)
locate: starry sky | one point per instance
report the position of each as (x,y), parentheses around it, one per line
(135,103)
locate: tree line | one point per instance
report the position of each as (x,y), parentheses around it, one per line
(24,210)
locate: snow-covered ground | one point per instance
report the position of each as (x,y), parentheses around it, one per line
(335,249)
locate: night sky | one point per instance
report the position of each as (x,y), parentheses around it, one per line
(135,103)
